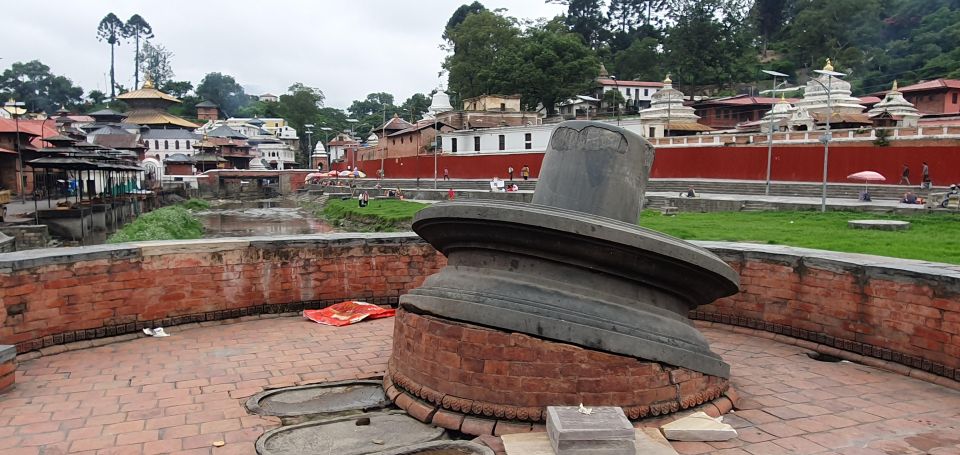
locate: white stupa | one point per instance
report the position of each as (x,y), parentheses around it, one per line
(778,116)
(897,107)
(372,139)
(842,103)
(667,108)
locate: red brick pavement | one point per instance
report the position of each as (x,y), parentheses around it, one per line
(180,394)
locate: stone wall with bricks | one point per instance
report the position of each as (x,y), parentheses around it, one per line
(905,312)
(8,366)
(901,311)
(27,237)
(55,296)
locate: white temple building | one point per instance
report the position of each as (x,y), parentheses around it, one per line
(779,117)
(668,116)
(842,107)
(894,110)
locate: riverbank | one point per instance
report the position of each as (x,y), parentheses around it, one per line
(380,215)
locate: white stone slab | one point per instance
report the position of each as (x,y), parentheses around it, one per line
(698,427)
(648,441)
(576,430)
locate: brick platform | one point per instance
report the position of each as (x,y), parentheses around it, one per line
(181,393)
(465,369)
(8,367)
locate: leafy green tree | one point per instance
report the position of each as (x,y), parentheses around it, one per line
(179,89)
(373,105)
(613,100)
(223,90)
(485,49)
(460,15)
(415,106)
(268,109)
(39,89)
(640,61)
(556,66)
(96,97)
(586,18)
(155,61)
(768,17)
(840,29)
(137,28)
(111,30)
(301,106)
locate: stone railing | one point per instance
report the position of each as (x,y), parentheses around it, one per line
(810,137)
(899,311)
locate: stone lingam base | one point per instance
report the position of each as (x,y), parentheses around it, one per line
(498,382)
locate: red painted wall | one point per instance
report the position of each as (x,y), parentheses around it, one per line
(798,164)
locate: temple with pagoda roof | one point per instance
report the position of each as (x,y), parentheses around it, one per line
(894,110)
(148,106)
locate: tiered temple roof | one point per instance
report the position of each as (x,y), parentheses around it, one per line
(842,105)
(666,107)
(897,107)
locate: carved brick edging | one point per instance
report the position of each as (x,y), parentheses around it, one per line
(109,331)
(477,425)
(854,351)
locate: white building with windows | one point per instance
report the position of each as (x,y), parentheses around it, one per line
(162,143)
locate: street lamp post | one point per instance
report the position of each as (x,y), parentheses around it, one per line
(616,100)
(309,127)
(16,109)
(775,75)
(353,155)
(827,136)
(383,139)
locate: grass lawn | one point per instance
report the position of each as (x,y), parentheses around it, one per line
(931,237)
(379,215)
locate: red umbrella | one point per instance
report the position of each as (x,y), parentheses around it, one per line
(867,176)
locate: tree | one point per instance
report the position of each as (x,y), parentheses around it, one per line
(556,66)
(613,99)
(415,106)
(586,18)
(223,90)
(34,85)
(155,63)
(460,15)
(640,61)
(484,46)
(96,97)
(179,89)
(373,105)
(301,106)
(768,16)
(136,28)
(111,30)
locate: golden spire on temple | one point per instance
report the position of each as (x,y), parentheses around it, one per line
(147,83)
(894,89)
(667,80)
(783,97)
(828,66)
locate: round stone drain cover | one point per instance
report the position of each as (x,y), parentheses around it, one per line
(342,435)
(317,399)
(441,448)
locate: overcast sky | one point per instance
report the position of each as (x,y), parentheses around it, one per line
(346,48)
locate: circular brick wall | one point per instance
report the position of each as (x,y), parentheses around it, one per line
(486,372)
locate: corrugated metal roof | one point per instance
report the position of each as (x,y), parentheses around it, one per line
(154,117)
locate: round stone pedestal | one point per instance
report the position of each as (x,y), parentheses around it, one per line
(880,225)
(443,372)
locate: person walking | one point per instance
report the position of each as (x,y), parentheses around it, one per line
(925,182)
(446,174)
(905,175)
(510,172)
(525,172)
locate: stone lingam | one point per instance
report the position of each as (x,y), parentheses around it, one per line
(559,302)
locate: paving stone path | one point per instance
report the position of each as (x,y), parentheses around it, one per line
(181,393)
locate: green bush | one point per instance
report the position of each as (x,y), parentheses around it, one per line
(168,223)
(381,215)
(194,205)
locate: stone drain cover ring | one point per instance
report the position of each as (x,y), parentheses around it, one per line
(342,436)
(318,399)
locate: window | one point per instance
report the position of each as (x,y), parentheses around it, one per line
(453,145)
(503,142)
(528,141)
(954,98)
(476,143)
(188,145)
(166,144)
(503,107)
(176,145)
(393,142)
(156,144)
(645,92)
(653,132)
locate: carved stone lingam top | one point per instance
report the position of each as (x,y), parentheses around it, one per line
(573,266)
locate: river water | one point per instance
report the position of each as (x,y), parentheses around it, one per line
(259,217)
